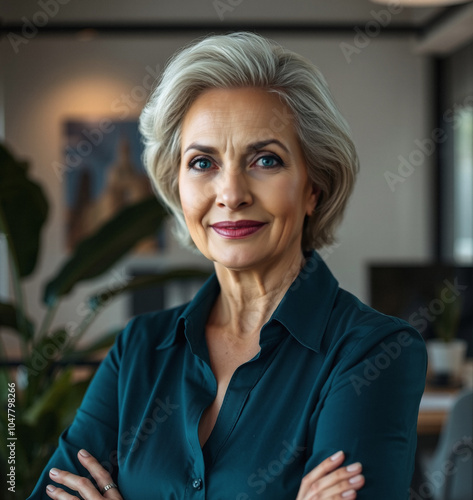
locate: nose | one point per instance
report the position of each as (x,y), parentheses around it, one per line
(233,191)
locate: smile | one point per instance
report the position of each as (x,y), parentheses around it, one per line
(237,229)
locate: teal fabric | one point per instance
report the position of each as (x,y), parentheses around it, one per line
(332,374)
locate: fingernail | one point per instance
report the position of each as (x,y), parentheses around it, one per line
(354,467)
(50,487)
(348,493)
(54,472)
(336,455)
(355,479)
(84,453)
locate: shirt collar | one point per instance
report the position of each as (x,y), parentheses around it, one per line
(192,321)
(304,310)
(307,305)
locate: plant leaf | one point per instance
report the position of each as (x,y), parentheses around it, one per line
(51,399)
(104,342)
(39,366)
(9,318)
(25,209)
(97,253)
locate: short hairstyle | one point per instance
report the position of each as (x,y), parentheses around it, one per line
(246,59)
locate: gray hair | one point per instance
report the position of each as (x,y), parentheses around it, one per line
(245,59)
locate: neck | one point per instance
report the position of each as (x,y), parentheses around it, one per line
(249,297)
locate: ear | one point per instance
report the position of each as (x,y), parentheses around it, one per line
(313,200)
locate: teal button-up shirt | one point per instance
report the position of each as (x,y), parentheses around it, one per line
(332,374)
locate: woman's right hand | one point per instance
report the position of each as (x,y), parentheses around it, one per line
(82,485)
(329,481)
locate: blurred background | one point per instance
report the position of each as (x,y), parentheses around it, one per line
(74,76)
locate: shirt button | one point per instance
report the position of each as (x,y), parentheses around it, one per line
(197,484)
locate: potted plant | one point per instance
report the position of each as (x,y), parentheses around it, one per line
(446,352)
(31,417)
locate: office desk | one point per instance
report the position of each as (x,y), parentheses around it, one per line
(434,409)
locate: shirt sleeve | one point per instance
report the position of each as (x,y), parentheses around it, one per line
(370,412)
(94,428)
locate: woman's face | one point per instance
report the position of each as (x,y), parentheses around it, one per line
(243,182)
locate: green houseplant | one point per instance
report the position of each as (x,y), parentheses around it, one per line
(446,352)
(31,416)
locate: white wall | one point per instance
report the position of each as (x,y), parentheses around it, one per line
(383,92)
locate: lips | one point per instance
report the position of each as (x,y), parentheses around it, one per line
(237,229)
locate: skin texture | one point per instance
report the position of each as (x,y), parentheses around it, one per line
(222,178)
(85,487)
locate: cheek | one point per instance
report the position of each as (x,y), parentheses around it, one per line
(193,198)
(284,196)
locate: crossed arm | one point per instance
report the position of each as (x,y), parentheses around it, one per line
(375,414)
(328,481)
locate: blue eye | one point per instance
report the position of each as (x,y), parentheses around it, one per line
(200,164)
(268,162)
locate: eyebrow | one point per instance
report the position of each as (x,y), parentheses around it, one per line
(254,146)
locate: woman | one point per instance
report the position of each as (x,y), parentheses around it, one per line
(272,382)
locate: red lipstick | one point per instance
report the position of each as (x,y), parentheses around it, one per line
(237,229)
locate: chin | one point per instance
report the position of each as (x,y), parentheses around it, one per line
(236,258)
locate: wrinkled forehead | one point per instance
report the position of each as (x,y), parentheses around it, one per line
(246,114)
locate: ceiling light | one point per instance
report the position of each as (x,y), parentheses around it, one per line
(421,3)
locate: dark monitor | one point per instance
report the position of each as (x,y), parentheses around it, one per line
(420,293)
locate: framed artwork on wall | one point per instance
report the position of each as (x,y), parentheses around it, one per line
(104,174)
